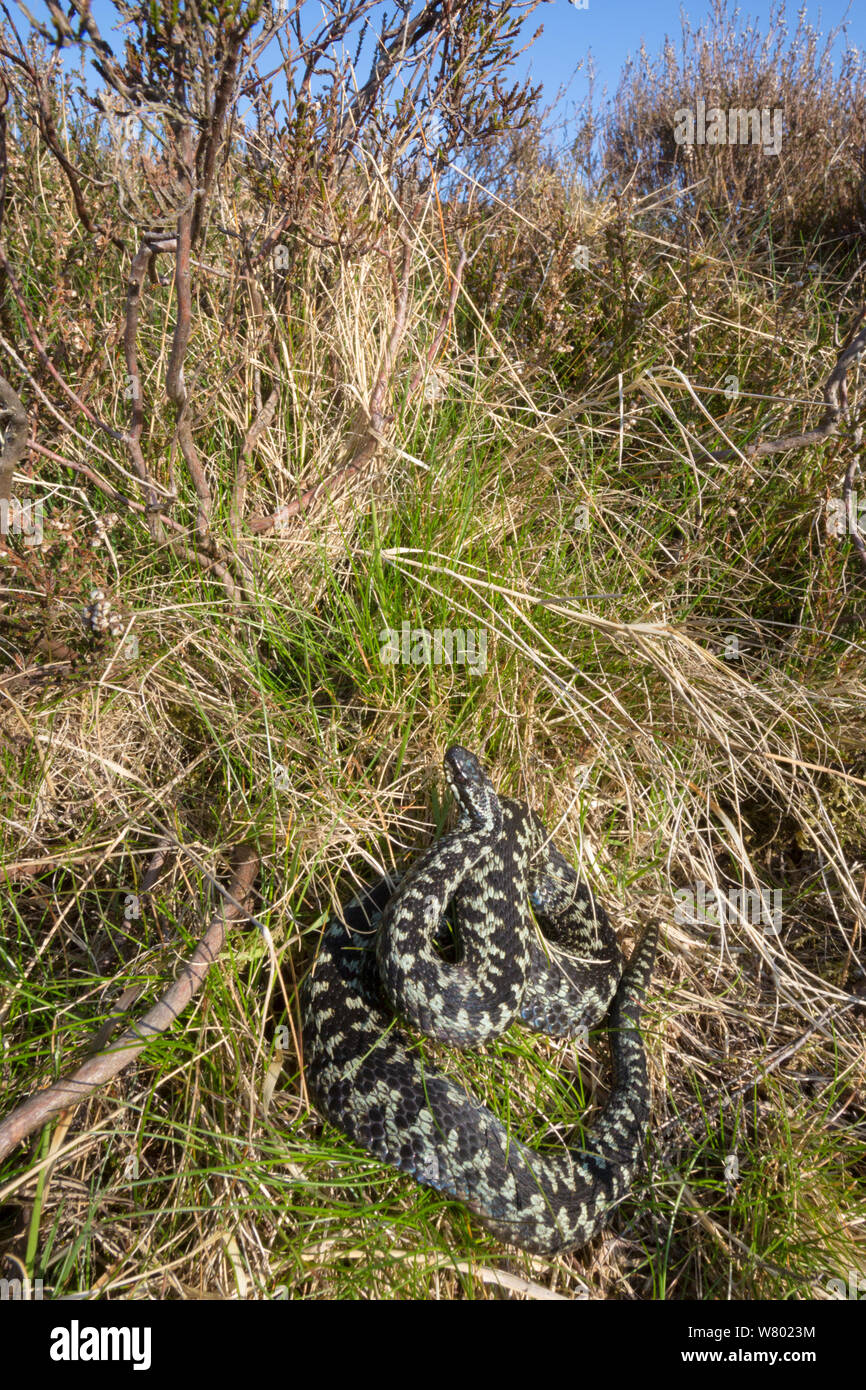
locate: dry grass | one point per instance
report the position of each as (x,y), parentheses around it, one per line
(675,679)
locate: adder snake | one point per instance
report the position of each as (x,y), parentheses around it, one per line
(381,957)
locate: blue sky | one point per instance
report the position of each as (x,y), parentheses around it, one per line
(611,30)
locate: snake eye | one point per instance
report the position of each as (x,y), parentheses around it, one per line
(461,766)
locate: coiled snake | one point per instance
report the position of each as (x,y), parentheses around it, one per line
(381,956)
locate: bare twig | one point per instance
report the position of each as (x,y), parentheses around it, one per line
(48,131)
(4,163)
(263,421)
(103,1066)
(138,271)
(175,385)
(131,993)
(835,401)
(39,349)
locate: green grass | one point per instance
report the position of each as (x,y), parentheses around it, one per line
(659,761)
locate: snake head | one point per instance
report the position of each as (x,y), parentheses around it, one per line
(470,785)
(462,768)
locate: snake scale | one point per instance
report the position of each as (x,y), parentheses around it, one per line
(382,957)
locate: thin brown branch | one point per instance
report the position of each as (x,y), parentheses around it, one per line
(397,44)
(175,385)
(835,409)
(209,565)
(263,421)
(835,402)
(203,553)
(39,349)
(132,992)
(138,271)
(209,141)
(72,1090)
(48,131)
(113,493)
(4,161)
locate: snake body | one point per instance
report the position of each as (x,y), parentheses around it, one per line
(380,956)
